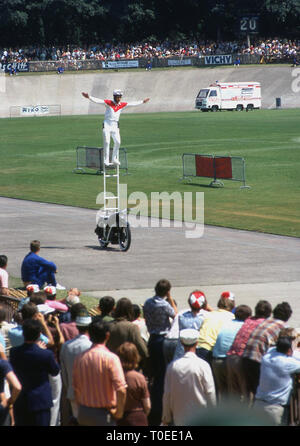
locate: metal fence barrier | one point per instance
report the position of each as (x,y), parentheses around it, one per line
(92,158)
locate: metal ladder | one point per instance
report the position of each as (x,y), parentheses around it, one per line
(114,173)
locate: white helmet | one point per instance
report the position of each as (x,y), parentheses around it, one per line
(118,93)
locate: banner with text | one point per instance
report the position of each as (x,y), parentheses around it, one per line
(121,64)
(179,62)
(17,66)
(218,60)
(35,110)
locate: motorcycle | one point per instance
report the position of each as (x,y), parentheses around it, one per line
(113,228)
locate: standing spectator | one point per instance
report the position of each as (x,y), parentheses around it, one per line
(262,338)
(98,381)
(137,405)
(72,298)
(31,311)
(68,353)
(189,383)
(106,307)
(35,269)
(123,330)
(7,374)
(140,322)
(223,343)
(211,327)
(55,381)
(275,382)
(234,363)
(70,329)
(32,365)
(158,311)
(191,318)
(3,276)
(5,326)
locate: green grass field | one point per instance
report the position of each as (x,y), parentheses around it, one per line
(39,154)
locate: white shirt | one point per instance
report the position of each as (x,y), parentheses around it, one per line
(68,353)
(3,278)
(189,385)
(113,110)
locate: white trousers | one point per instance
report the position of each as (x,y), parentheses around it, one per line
(56,388)
(111,130)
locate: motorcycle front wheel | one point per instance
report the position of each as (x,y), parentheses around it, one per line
(125,238)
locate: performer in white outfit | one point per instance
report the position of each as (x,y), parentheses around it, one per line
(111,122)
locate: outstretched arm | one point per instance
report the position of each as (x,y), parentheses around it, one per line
(91,98)
(134,103)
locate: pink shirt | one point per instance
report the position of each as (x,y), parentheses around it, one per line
(56,305)
(97,375)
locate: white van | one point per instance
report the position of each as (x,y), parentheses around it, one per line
(229,96)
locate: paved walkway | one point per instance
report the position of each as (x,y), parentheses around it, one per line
(252,265)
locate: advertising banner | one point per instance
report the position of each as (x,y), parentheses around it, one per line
(121,64)
(218,60)
(179,62)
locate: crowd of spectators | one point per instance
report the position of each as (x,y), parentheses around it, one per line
(124,51)
(129,365)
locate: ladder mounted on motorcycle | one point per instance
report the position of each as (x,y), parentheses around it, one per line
(112,223)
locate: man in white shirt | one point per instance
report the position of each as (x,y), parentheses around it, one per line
(3,276)
(189,384)
(111,122)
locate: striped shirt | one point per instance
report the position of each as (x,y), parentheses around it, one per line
(262,338)
(97,375)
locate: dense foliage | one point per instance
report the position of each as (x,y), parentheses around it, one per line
(47,22)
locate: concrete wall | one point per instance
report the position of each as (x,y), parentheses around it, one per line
(169,90)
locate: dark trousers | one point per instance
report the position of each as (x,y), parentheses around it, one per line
(46,276)
(38,418)
(158,370)
(252,373)
(205,354)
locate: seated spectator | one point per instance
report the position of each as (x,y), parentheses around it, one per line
(68,353)
(106,307)
(263,337)
(69,329)
(3,276)
(35,269)
(137,405)
(236,378)
(50,292)
(275,381)
(60,70)
(192,318)
(140,322)
(7,375)
(32,365)
(211,327)
(31,311)
(237,62)
(223,343)
(123,330)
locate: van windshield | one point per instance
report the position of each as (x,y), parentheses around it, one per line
(203,93)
